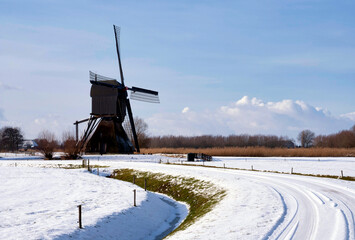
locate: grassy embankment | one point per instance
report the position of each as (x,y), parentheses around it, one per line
(259,151)
(200,195)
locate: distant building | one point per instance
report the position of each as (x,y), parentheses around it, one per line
(289,144)
(29,144)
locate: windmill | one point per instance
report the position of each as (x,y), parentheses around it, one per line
(110,105)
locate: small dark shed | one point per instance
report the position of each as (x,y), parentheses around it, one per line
(191,157)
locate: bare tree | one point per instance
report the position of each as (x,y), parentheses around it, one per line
(141,130)
(47,143)
(11,138)
(1,143)
(69,145)
(306,138)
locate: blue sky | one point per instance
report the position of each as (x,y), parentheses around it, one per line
(221,67)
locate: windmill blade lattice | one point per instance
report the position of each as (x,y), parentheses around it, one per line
(144,97)
(117,31)
(97,77)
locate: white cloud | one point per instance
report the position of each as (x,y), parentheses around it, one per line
(40,121)
(185,110)
(251,116)
(350,116)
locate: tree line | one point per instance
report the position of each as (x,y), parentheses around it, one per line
(11,139)
(208,141)
(342,139)
(306,138)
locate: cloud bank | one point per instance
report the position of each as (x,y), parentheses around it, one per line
(251,116)
(350,116)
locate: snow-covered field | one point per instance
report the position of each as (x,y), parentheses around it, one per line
(41,203)
(322,166)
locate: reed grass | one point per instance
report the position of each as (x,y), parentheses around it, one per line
(258,151)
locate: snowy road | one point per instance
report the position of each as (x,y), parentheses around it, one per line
(307,207)
(313,208)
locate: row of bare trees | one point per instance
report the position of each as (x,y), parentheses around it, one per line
(11,140)
(307,138)
(342,139)
(48,143)
(208,141)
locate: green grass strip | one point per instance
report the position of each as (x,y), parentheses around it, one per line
(200,195)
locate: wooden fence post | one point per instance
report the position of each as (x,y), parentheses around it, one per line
(252,168)
(80,225)
(145,184)
(134,201)
(342,175)
(134,179)
(98,173)
(292,170)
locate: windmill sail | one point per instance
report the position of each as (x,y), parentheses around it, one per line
(117,31)
(144,97)
(97,77)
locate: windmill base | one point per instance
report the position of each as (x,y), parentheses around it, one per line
(109,137)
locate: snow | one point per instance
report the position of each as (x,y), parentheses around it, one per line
(20,156)
(258,205)
(41,203)
(322,166)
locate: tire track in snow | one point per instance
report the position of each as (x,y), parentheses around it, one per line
(282,219)
(294,226)
(318,215)
(314,220)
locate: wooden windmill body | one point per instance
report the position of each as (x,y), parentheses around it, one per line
(110,105)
